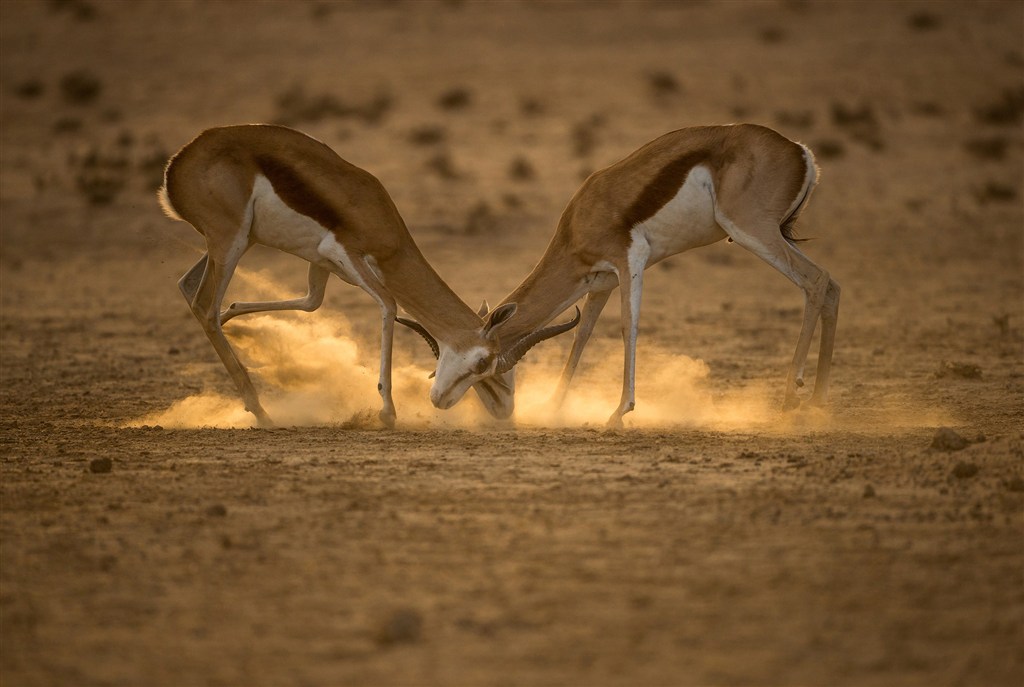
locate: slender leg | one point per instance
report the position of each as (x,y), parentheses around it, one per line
(829,318)
(189,283)
(765,241)
(311,301)
(206,307)
(389,309)
(595,303)
(630,291)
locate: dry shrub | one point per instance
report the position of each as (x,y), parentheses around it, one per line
(993,148)
(995,192)
(828,149)
(480,219)
(77,9)
(798,119)
(927,108)
(531,107)
(663,85)
(29,89)
(455,99)
(80,87)
(441,164)
(100,175)
(428,134)
(924,21)
(521,170)
(67,125)
(860,123)
(772,35)
(584,135)
(296,106)
(1006,110)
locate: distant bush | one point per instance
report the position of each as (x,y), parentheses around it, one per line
(995,192)
(29,89)
(80,87)
(521,170)
(1007,109)
(987,148)
(828,149)
(455,99)
(297,106)
(100,175)
(428,134)
(799,119)
(663,84)
(860,123)
(924,21)
(441,164)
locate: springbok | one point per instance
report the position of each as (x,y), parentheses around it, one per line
(249,184)
(688,188)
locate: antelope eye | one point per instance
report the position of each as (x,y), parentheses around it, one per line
(482,365)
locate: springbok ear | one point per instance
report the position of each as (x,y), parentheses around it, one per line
(498,317)
(484,308)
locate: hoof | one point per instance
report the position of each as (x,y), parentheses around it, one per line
(387,418)
(614,422)
(799,382)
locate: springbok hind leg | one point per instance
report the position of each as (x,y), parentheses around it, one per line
(206,306)
(829,318)
(766,241)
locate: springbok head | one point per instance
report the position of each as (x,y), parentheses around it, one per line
(483,360)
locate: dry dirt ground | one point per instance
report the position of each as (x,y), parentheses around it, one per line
(150,538)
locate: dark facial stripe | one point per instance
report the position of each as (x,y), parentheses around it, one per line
(662,188)
(297,194)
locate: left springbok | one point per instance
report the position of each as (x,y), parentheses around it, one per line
(249,184)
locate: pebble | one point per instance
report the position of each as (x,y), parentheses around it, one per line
(402,626)
(964,470)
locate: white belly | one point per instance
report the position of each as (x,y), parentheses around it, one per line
(278,226)
(687,221)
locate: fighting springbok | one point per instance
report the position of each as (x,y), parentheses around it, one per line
(249,184)
(686,189)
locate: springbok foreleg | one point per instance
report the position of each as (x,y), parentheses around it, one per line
(311,301)
(389,309)
(631,284)
(595,303)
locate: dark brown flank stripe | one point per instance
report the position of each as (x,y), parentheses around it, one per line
(662,188)
(297,194)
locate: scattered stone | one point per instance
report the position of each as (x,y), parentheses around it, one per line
(964,470)
(955,369)
(173,351)
(404,626)
(869,492)
(1015,484)
(946,439)
(100,466)
(217,510)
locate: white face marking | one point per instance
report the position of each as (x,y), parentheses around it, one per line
(687,221)
(455,374)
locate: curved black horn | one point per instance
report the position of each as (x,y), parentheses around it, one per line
(508,358)
(422,331)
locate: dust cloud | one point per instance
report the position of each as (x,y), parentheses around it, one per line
(311,369)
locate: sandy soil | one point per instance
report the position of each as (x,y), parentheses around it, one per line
(150,537)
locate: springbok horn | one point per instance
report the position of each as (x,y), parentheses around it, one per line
(508,358)
(422,331)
